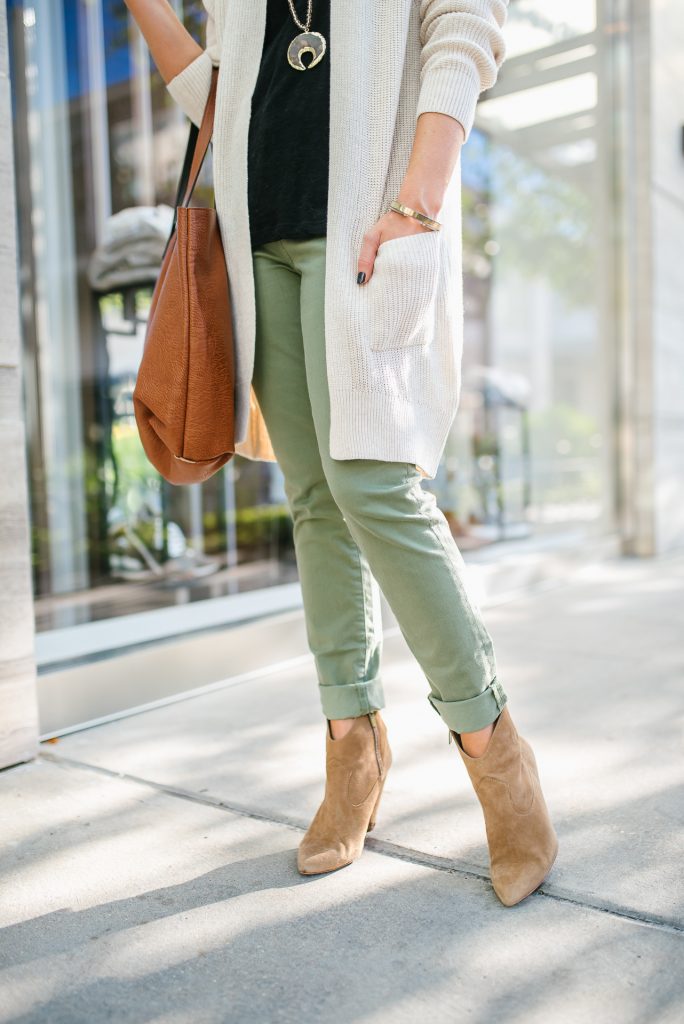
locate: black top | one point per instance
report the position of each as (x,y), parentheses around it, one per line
(288,131)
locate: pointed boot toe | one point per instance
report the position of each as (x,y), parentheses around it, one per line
(514,886)
(523,844)
(320,861)
(356,769)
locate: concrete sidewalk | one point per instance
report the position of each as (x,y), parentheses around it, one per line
(148,865)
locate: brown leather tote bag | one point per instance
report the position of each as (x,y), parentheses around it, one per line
(184,397)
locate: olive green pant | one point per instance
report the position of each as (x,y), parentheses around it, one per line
(360,524)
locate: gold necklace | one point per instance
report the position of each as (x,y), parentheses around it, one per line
(305,42)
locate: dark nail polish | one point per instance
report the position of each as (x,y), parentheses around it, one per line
(361,277)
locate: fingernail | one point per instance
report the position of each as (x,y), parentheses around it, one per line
(361,277)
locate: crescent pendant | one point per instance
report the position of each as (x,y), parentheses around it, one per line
(305,42)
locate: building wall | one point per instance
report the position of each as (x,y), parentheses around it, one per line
(19,719)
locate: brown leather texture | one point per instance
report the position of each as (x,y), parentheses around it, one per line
(184,397)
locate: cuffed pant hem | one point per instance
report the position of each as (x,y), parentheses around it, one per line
(475,712)
(351,700)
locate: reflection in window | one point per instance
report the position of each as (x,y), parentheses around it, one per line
(96,132)
(527,449)
(534,24)
(100,134)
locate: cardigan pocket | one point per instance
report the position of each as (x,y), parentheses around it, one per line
(401,290)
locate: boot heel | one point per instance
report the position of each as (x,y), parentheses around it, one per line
(374,813)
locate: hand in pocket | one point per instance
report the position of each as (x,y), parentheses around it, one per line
(402,289)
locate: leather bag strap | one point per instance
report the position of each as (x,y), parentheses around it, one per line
(201,140)
(195,152)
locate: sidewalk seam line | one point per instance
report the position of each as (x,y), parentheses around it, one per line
(382,847)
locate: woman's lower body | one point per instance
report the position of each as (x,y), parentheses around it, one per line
(358,521)
(361,524)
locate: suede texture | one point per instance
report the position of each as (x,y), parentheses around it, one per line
(522,841)
(355,776)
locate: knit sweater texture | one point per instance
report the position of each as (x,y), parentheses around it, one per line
(393,345)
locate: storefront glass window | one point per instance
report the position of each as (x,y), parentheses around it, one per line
(528,452)
(96,133)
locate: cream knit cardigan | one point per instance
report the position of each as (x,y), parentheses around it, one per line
(393,346)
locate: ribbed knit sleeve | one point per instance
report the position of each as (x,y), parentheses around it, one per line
(462,49)
(190,87)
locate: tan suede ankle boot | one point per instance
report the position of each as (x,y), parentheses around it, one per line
(522,841)
(356,769)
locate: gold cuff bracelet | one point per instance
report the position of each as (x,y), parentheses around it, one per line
(398,207)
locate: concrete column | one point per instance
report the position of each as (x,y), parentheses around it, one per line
(19,717)
(651,411)
(667,200)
